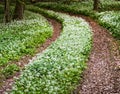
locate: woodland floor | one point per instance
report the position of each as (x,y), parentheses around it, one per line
(7,84)
(103,73)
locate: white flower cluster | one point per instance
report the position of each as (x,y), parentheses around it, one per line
(21,37)
(111,21)
(57,70)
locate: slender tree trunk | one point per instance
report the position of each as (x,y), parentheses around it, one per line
(7,11)
(19,10)
(96,4)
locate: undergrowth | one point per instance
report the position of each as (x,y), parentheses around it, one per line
(57,70)
(20,38)
(108,19)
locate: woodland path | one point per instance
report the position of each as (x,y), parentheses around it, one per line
(57,28)
(103,73)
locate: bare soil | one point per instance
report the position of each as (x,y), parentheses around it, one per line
(7,83)
(103,73)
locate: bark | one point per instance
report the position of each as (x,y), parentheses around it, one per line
(7,11)
(96,4)
(33,1)
(19,10)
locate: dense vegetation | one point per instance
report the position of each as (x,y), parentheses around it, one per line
(58,68)
(19,38)
(111,21)
(108,5)
(1,13)
(108,19)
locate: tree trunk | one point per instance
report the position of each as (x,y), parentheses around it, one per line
(33,1)
(7,11)
(19,10)
(95,4)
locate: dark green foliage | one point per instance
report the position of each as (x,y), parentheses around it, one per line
(113,25)
(72,8)
(1,9)
(57,70)
(9,70)
(1,13)
(111,21)
(20,38)
(108,5)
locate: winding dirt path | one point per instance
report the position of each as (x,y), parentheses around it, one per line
(103,73)
(57,28)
